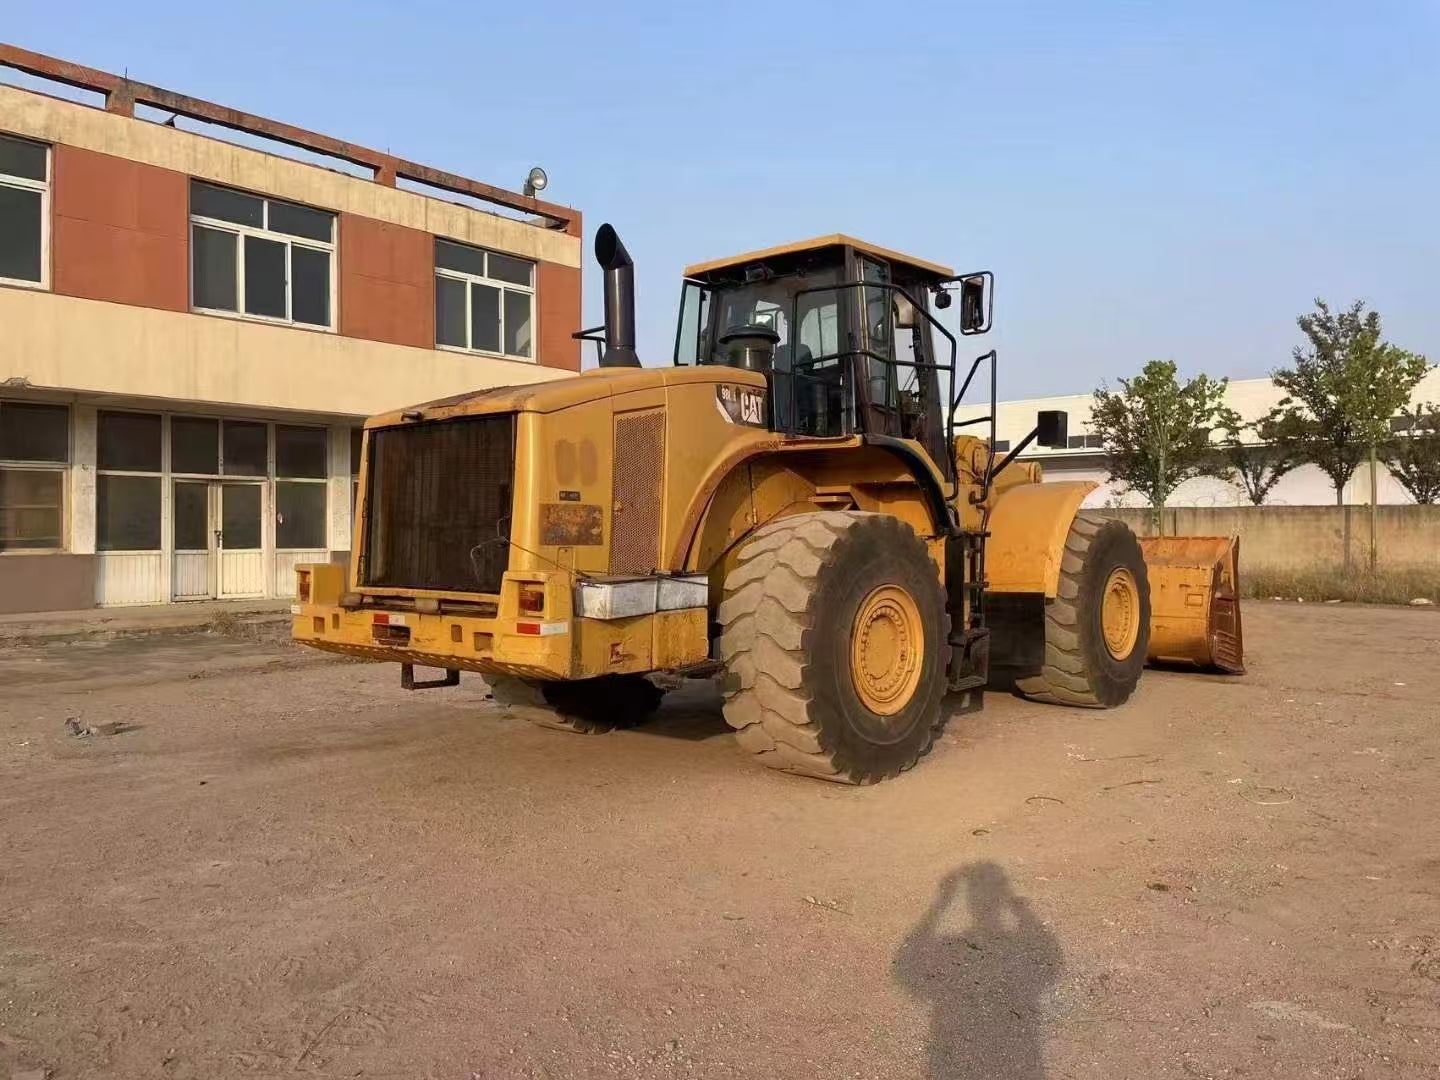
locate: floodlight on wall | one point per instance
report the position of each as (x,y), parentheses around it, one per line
(535,181)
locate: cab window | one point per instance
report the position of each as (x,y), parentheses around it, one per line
(879,334)
(694,317)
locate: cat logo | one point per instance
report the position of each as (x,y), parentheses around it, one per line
(741,405)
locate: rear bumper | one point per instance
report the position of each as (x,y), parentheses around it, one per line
(553,644)
(442,641)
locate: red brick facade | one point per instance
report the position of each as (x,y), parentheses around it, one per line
(558,315)
(120,233)
(120,230)
(387,282)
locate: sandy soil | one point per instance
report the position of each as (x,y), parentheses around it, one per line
(283,865)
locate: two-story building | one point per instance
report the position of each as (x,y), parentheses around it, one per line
(192,331)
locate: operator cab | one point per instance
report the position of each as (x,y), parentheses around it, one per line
(842,330)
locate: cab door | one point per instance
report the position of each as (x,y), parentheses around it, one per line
(876,321)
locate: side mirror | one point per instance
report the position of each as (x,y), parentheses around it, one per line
(976,302)
(1052,428)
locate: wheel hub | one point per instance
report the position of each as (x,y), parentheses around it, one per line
(1120,613)
(887,650)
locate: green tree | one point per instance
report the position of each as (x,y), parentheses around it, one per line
(1414,454)
(1342,389)
(1156,430)
(1257,454)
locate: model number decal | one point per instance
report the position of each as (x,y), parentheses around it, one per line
(741,404)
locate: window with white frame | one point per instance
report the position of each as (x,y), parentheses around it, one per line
(302,466)
(260,257)
(484,301)
(34,457)
(24,192)
(128,481)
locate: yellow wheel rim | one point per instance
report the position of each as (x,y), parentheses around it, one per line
(1120,613)
(887,650)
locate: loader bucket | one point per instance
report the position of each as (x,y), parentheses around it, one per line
(1195,601)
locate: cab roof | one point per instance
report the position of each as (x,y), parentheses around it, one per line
(737,262)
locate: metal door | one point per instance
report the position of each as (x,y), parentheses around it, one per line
(192,534)
(240,539)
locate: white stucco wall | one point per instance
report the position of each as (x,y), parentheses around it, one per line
(92,347)
(1251,398)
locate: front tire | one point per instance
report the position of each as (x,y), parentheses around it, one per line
(835,641)
(1097,629)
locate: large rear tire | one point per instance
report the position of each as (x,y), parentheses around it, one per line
(835,641)
(1097,629)
(584,706)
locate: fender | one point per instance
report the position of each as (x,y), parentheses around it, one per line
(1027,527)
(700,502)
(910,459)
(929,481)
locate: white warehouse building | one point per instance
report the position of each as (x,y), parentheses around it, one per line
(1084,459)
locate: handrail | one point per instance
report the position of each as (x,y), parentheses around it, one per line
(854,354)
(595,334)
(990,470)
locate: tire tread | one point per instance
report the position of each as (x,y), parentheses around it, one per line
(765,617)
(1065,678)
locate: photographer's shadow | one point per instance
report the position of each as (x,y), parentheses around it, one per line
(984,985)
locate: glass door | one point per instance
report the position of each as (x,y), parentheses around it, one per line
(240,539)
(193,574)
(879,337)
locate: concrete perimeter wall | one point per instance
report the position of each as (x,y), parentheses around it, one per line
(1304,537)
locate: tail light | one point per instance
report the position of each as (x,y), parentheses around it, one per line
(302,586)
(532,599)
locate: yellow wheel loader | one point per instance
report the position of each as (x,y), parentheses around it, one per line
(791,506)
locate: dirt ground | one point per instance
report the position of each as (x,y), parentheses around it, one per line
(279,864)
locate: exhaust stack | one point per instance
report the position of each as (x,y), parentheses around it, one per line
(619,299)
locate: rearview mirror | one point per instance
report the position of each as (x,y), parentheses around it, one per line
(976,302)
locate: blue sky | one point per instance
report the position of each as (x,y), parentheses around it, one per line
(1147,180)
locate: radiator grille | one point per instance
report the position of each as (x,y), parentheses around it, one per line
(639,467)
(437,514)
